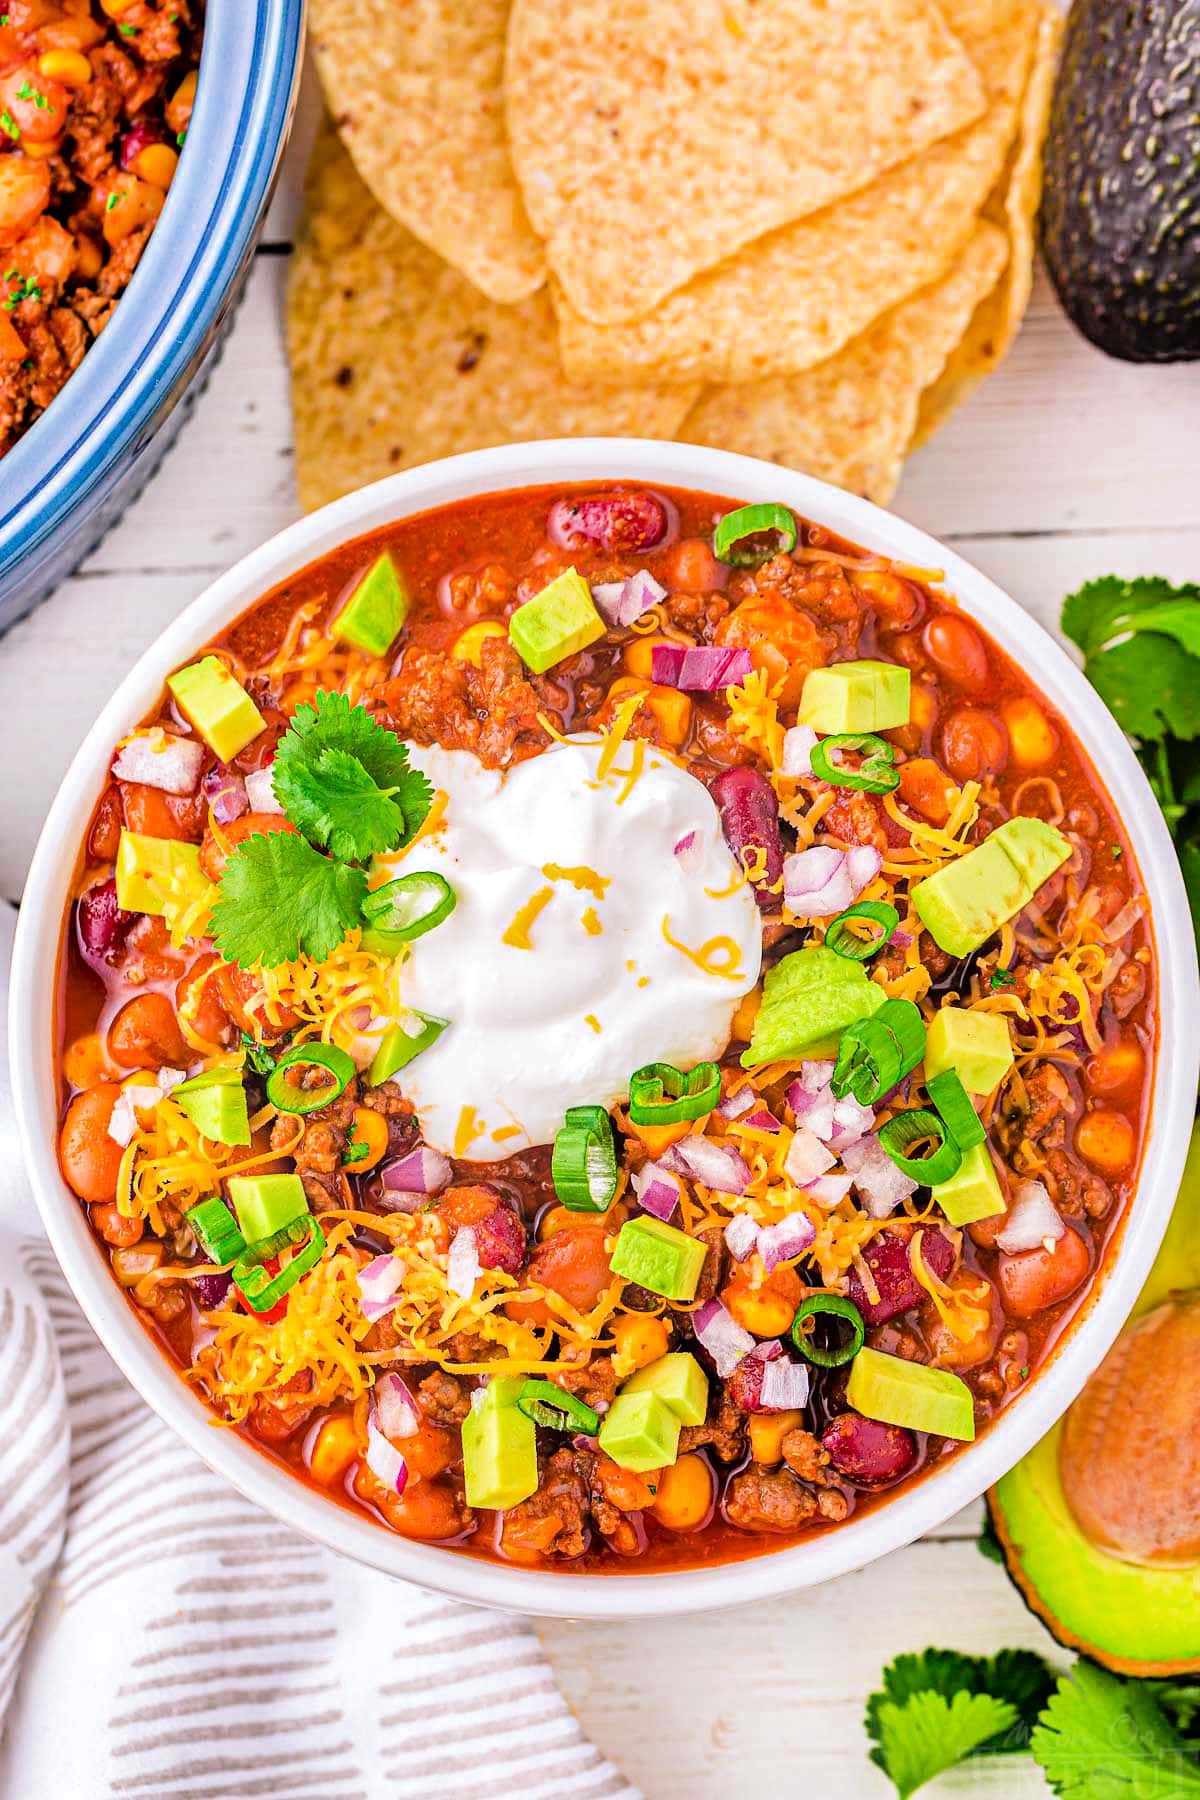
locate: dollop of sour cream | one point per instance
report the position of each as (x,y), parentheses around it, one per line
(582,945)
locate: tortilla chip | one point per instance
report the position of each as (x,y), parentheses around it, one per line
(1014,206)
(651,142)
(416,89)
(795,297)
(850,419)
(397,359)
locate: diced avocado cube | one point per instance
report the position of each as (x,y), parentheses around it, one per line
(219,707)
(376,610)
(855,696)
(501,1390)
(639,1431)
(215,1102)
(679,1382)
(965,902)
(809,998)
(499,1448)
(402,1044)
(264,1204)
(976,1044)
(909,1393)
(161,876)
(556,623)
(658,1257)
(974,1191)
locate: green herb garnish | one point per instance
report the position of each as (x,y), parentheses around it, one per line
(937,1708)
(1002,978)
(345,783)
(113,200)
(356,1150)
(26,289)
(1101,1738)
(258,1057)
(27,91)
(1141,647)
(9,125)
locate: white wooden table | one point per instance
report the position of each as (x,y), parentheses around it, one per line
(1063,466)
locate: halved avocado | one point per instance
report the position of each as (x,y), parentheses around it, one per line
(1139,1617)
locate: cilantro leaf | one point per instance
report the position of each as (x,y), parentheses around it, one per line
(337,804)
(1140,640)
(1102,1738)
(279,896)
(1019,1677)
(258,1057)
(929,1733)
(345,780)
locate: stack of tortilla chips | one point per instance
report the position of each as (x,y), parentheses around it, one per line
(792,228)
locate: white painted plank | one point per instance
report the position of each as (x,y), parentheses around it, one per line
(770,1699)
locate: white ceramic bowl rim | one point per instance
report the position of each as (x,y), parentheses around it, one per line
(628,1595)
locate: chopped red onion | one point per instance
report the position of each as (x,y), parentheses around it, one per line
(1033,1220)
(829,1190)
(158,759)
(853,1120)
(123,1120)
(762,1120)
(378,1281)
(783,1242)
(902,939)
(621,602)
(721,1336)
(784,1386)
(260,791)
(399,1201)
(689,852)
(657,1190)
(807,1157)
(384,1460)
(815,1111)
(798,746)
(881,1185)
(396,1412)
(821,881)
(225,792)
(463,1267)
(700,1159)
(815,1076)
(422,1171)
(738,1102)
(741,1237)
(702,669)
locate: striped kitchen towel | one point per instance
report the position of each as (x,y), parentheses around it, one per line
(163,1639)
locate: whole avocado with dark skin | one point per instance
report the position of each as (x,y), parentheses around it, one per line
(1120,222)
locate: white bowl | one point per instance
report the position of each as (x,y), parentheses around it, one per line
(885,1526)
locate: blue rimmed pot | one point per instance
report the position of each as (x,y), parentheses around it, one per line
(77,468)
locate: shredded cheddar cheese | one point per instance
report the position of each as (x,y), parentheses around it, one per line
(718,956)
(516,933)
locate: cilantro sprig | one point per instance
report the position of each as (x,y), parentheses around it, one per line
(1141,647)
(1095,1735)
(345,783)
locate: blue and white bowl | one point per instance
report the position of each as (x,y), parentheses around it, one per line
(76,470)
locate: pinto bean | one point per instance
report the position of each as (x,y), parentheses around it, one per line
(91,1160)
(1035,1279)
(145,1034)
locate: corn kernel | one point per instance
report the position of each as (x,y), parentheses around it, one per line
(673,711)
(89,259)
(1032,738)
(640,1339)
(335,1449)
(685,1494)
(468,645)
(41,152)
(86,1061)
(369,1128)
(71,67)
(156,164)
(638,657)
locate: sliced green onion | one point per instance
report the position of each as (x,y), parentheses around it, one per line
(284,1089)
(954,1103)
(216,1230)
(259,1288)
(731,539)
(876,1053)
(583,1163)
(875,774)
(660,1094)
(848,943)
(909,1128)
(411,906)
(830,1306)
(547,1404)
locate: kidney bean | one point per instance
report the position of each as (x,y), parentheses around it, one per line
(887,1258)
(974,744)
(620,522)
(750,820)
(500,1241)
(745,1384)
(102,923)
(868,1453)
(210,1290)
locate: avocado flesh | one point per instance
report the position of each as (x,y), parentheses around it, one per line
(1132,1618)
(1120,222)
